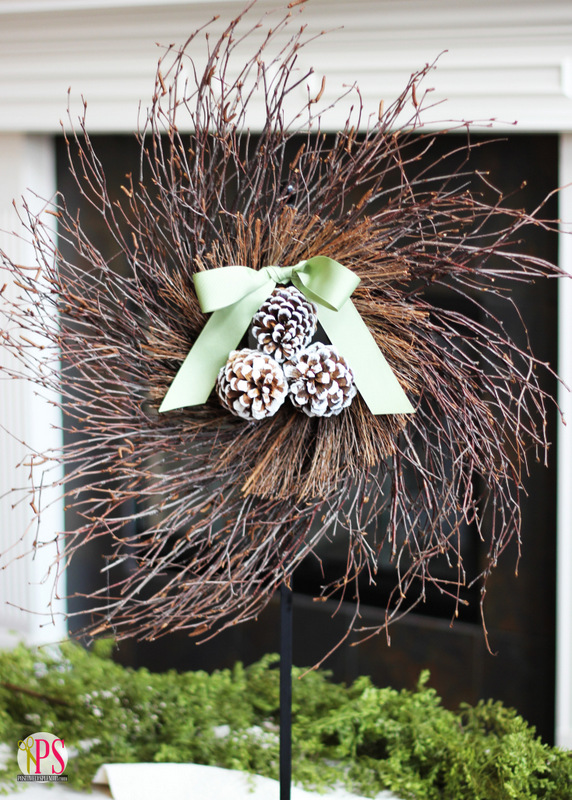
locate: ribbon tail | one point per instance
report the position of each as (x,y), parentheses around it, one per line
(375,380)
(222,333)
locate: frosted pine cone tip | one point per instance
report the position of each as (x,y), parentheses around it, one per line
(251,384)
(320,381)
(284,324)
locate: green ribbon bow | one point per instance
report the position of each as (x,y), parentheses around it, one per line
(234,295)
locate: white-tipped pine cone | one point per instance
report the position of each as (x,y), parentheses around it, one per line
(284,324)
(321,383)
(251,384)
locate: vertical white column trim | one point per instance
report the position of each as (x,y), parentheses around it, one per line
(27,167)
(564,485)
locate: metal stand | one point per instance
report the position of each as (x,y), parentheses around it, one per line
(285,692)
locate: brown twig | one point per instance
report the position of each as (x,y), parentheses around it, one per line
(13,687)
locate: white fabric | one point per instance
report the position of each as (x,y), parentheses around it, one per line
(58,791)
(177,782)
(192,781)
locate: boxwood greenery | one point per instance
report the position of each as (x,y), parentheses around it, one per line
(361,736)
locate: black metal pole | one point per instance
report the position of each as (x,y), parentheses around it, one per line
(285,692)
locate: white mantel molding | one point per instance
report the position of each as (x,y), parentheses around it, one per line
(509,60)
(35,6)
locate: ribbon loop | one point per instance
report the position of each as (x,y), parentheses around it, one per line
(234,294)
(325,281)
(221,288)
(279,274)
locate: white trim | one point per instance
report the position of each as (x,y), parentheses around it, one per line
(35,425)
(564,487)
(507,60)
(47,6)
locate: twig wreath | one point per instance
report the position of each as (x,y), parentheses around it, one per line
(282,236)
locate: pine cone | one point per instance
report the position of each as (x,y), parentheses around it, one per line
(321,383)
(251,384)
(284,324)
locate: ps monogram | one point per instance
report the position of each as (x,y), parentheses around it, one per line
(42,754)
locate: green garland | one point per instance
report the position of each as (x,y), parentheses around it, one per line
(366,738)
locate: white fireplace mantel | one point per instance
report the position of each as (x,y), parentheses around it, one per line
(509,60)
